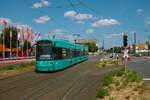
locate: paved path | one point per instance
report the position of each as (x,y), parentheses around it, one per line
(78,82)
(142,66)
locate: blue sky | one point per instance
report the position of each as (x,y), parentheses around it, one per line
(99,19)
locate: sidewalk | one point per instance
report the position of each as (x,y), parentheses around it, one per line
(15,61)
(147,57)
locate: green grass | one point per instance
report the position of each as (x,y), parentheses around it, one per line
(108,80)
(133,76)
(102,64)
(101,93)
(17,66)
(12,70)
(128,77)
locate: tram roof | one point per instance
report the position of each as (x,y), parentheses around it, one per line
(64,43)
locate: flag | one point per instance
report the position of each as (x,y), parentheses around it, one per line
(22,36)
(5,24)
(28,33)
(18,37)
(11,27)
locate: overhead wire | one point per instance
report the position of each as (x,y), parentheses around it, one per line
(43,12)
(73,6)
(87,6)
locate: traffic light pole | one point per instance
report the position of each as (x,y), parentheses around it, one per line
(125,61)
(125,44)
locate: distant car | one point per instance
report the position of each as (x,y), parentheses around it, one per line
(138,55)
(111,56)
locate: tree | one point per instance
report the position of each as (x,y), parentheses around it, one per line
(115,49)
(92,47)
(7,37)
(148,44)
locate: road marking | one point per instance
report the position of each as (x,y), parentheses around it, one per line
(146,79)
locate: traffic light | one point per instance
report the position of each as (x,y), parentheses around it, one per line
(125,40)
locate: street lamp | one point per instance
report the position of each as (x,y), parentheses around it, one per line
(75,37)
(75,40)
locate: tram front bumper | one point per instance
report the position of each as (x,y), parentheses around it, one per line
(44,66)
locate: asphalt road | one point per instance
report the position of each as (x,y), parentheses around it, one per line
(142,66)
(78,82)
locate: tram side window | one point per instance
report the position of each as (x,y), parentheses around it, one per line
(64,53)
(73,53)
(69,54)
(57,53)
(77,53)
(84,53)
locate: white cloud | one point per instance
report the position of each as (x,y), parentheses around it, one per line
(78,17)
(61,34)
(114,35)
(88,31)
(147,22)
(105,22)
(80,22)
(139,10)
(22,26)
(57,31)
(43,3)
(81,16)
(70,13)
(8,21)
(42,19)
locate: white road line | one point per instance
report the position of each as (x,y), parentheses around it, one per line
(146,79)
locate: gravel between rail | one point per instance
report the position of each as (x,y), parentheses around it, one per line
(79,82)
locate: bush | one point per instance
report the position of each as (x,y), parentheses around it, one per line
(103,64)
(102,93)
(117,72)
(133,76)
(108,80)
(120,72)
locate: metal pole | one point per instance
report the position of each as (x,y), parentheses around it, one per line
(134,43)
(17,47)
(113,53)
(3,45)
(75,50)
(10,48)
(22,49)
(103,49)
(125,61)
(27,48)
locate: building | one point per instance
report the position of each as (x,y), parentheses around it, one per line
(6,50)
(141,49)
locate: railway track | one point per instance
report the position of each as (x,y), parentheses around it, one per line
(73,83)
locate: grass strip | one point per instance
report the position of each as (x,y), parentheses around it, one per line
(12,70)
(118,85)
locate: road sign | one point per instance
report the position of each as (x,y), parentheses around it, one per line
(126,53)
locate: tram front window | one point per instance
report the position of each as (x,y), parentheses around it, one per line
(44,50)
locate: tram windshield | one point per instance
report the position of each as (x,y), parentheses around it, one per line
(44,50)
